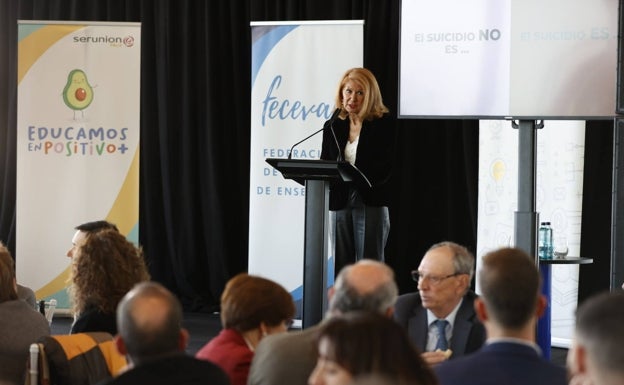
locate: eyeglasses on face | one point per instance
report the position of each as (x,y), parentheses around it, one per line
(417,276)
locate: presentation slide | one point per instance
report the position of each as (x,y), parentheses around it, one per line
(550,59)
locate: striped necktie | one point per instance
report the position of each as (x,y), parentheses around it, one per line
(441,329)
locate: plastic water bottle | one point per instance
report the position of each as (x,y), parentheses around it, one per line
(545,249)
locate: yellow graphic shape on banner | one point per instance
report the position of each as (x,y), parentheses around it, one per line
(124,214)
(125,210)
(34,45)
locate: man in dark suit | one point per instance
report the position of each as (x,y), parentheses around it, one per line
(149,319)
(444,294)
(509,306)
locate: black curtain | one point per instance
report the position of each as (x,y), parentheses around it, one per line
(195,116)
(596,220)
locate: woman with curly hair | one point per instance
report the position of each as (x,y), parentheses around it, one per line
(104,268)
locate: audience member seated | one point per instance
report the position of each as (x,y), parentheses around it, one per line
(364,343)
(87,228)
(24,293)
(27,295)
(20,325)
(251,308)
(289,358)
(105,266)
(596,356)
(443,300)
(149,319)
(509,306)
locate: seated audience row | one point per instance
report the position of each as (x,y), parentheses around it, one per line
(367,336)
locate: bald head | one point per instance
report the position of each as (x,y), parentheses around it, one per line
(149,320)
(366,285)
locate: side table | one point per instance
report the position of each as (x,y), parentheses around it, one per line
(543,324)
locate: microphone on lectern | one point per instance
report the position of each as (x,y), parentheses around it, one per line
(331,125)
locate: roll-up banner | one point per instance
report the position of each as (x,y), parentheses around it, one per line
(559,195)
(296,67)
(78,117)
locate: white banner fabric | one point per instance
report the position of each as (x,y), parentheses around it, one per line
(296,68)
(559,195)
(77,141)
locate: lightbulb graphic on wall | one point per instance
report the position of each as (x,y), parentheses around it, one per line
(498,171)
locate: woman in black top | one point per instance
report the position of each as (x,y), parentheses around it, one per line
(364,136)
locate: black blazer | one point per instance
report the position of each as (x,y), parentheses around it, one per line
(375,153)
(468,332)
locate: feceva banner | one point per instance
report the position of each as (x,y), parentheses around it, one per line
(296,67)
(77,141)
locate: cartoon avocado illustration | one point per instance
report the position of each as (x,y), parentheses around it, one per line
(78,93)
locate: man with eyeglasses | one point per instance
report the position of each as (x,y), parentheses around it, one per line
(440,318)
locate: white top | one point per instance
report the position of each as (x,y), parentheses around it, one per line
(351,150)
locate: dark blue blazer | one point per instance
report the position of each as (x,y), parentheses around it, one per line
(468,331)
(498,363)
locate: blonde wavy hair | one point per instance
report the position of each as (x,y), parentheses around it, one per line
(105,267)
(372,105)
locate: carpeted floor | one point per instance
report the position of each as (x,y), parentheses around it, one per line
(201,327)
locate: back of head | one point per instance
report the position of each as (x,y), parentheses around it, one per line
(89,227)
(149,320)
(7,275)
(248,300)
(367,285)
(366,343)
(599,329)
(510,285)
(106,266)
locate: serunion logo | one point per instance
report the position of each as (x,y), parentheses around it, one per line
(128,41)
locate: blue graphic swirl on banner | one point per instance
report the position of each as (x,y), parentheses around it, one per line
(263,41)
(25,30)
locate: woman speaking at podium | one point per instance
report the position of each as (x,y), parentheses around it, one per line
(360,132)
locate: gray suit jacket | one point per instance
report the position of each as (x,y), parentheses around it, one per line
(286,358)
(468,332)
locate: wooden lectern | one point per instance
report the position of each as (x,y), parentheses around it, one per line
(316,175)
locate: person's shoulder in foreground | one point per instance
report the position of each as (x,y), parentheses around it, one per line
(178,369)
(284,357)
(501,363)
(509,306)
